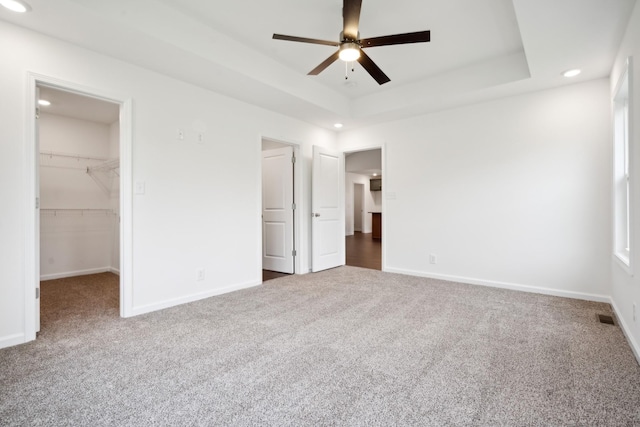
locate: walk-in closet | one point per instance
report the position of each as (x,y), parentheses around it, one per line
(79,184)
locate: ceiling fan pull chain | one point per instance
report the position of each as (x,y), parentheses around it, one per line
(346,71)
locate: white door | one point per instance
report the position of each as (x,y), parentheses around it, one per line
(277,210)
(327,207)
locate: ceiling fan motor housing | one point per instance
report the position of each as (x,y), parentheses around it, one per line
(344,39)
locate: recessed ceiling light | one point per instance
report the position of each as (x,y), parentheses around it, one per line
(15,5)
(375,174)
(44,102)
(571,73)
(338,125)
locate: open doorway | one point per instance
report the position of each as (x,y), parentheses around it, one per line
(78,182)
(363,212)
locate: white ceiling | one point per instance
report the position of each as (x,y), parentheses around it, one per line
(77,106)
(479,50)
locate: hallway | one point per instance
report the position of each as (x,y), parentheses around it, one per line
(364,251)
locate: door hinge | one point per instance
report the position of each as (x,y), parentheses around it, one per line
(37,293)
(294,253)
(293,158)
(37,202)
(293,206)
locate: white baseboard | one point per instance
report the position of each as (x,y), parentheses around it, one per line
(114,270)
(505,285)
(148,308)
(626,331)
(76,273)
(11,340)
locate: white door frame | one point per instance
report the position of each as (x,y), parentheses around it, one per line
(32,230)
(383,154)
(297,199)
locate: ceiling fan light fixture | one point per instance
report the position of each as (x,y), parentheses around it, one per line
(349,52)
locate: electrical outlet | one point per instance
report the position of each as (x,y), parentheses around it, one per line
(200,274)
(180,134)
(200,138)
(433,259)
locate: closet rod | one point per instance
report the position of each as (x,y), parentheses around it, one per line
(71,156)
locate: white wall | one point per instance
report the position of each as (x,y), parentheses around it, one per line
(625,287)
(371,202)
(201,208)
(74,242)
(361,161)
(514,192)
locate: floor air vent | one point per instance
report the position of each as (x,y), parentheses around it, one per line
(605,318)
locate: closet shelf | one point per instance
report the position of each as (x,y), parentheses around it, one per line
(104,172)
(76,211)
(111,165)
(78,157)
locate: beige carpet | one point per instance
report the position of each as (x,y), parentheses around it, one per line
(347,346)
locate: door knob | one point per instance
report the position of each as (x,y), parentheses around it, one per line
(315,214)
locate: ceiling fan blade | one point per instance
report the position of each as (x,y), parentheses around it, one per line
(330,60)
(373,69)
(351,18)
(305,40)
(417,37)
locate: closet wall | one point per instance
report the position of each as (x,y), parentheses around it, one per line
(78,196)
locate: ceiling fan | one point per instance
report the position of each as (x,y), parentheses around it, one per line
(351,45)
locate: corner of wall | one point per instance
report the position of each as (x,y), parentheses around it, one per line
(635,348)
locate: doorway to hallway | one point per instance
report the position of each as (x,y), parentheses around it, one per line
(363,208)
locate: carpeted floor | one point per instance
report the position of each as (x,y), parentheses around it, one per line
(348,346)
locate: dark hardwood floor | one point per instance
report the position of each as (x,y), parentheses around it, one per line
(268,275)
(364,251)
